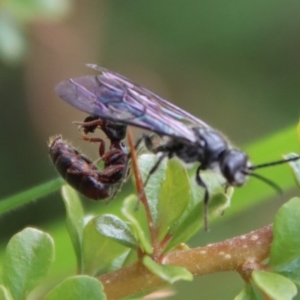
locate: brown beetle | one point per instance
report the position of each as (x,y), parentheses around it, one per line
(81,173)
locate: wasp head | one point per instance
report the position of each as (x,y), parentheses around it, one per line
(234,165)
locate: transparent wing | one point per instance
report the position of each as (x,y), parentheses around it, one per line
(113,97)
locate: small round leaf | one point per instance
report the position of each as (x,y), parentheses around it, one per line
(29,255)
(170,274)
(74,219)
(78,288)
(99,253)
(286,242)
(277,287)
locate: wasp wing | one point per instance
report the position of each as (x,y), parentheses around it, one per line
(113,97)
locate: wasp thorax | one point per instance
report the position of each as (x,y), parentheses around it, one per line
(114,102)
(234,165)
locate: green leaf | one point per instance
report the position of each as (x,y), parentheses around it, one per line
(29,255)
(170,274)
(286,242)
(138,222)
(290,270)
(113,227)
(285,251)
(246,293)
(118,262)
(173,198)
(220,197)
(154,185)
(100,252)
(192,219)
(295,165)
(130,258)
(274,285)
(78,288)
(30,195)
(4,293)
(74,220)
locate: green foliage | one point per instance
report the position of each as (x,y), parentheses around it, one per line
(106,242)
(28,257)
(274,285)
(295,165)
(100,253)
(285,251)
(137,222)
(191,220)
(284,258)
(174,197)
(78,288)
(4,293)
(171,274)
(35,193)
(74,220)
(255,191)
(153,188)
(286,243)
(113,227)
(247,293)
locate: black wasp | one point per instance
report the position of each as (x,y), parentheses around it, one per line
(113,97)
(81,173)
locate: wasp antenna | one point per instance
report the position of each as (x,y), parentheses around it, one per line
(273,163)
(269,182)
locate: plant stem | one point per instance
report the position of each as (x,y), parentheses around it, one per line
(30,195)
(228,255)
(141,193)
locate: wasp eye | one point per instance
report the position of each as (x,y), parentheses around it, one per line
(233,165)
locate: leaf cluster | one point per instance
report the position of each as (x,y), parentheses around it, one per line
(141,254)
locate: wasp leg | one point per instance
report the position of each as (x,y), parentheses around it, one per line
(149,145)
(201,183)
(165,153)
(147,140)
(153,169)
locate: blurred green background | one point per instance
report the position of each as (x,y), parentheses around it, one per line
(234,64)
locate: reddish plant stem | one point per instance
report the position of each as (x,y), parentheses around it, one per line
(162,246)
(141,193)
(229,255)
